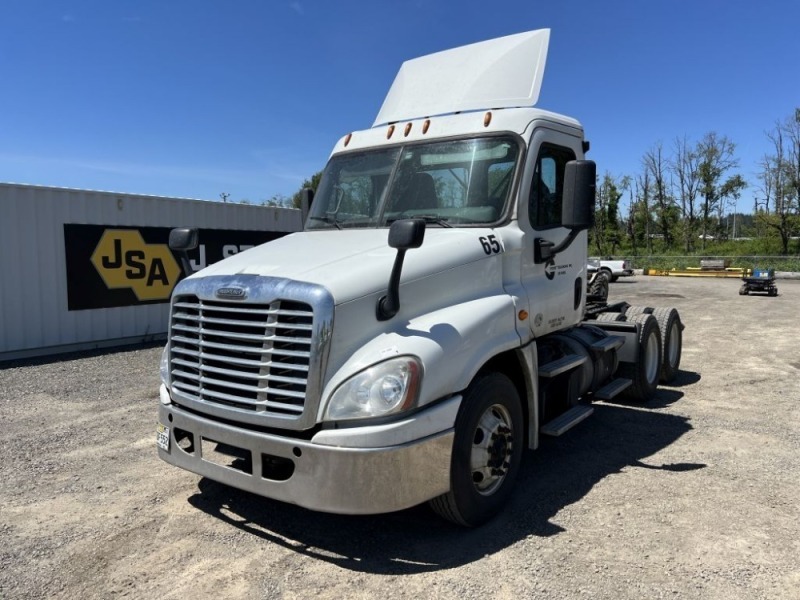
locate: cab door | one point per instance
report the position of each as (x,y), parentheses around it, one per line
(556,287)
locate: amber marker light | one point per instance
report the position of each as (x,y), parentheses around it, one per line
(348,138)
(523,315)
(487,118)
(426,125)
(390,132)
(407,130)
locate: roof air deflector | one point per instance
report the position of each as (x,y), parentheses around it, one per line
(499,73)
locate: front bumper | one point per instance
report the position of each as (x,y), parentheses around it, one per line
(336,479)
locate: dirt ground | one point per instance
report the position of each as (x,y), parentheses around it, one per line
(694,495)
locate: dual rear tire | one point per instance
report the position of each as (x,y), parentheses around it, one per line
(645,372)
(671,329)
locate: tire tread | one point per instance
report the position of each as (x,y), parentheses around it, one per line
(666,317)
(640,390)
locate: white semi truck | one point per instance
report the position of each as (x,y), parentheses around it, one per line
(429,324)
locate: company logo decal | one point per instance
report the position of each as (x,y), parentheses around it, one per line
(232,293)
(124,260)
(550,269)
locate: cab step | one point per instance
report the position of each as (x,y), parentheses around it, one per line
(562,365)
(612,389)
(608,343)
(567,420)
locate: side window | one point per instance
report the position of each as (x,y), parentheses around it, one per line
(544,206)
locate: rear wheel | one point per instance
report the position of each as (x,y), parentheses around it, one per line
(644,373)
(743,290)
(669,323)
(487,450)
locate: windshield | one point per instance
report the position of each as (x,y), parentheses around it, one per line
(457,182)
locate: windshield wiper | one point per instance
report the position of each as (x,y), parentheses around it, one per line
(330,219)
(441,221)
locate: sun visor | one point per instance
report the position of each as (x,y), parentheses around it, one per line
(499,73)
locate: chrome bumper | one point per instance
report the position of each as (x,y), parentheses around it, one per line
(326,478)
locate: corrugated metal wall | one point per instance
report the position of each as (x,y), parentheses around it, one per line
(34,316)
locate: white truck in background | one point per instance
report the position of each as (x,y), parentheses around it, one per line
(613,268)
(429,324)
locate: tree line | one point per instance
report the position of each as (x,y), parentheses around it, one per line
(684,196)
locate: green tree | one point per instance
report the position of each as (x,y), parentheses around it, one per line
(663,203)
(277,200)
(606,222)
(312,183)
(780,181)
(685,167)
(716,155)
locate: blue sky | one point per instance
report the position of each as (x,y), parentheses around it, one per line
(194,98)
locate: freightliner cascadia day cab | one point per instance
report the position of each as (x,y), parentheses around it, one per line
(429,323)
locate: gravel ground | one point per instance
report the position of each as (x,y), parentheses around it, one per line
(694,495)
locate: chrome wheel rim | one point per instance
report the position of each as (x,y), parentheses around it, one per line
(492,448)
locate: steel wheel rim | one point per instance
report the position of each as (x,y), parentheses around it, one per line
(492,447)
(674,344)
(651,363)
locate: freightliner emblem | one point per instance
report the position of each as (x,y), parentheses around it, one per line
(231,293)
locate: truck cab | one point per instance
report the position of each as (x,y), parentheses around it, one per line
(428,324)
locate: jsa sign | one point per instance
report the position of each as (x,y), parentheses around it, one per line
(121,266)
(123,260)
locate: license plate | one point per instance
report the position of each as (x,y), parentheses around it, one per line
(162,437)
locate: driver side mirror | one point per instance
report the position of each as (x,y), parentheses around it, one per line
(406,234)
(580,181)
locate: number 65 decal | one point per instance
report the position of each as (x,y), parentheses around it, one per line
(490,244)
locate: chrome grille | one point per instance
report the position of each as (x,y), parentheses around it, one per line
(252,357)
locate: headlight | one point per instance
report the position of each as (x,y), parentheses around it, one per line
(386,388)
(165,366)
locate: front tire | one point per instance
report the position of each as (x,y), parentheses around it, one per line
(487,450)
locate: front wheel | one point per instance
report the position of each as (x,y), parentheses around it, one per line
(487,450)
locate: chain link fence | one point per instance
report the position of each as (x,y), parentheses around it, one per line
(666,262)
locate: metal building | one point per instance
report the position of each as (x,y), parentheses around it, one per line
(83,269)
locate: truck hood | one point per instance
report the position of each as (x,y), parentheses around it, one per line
(352,263)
